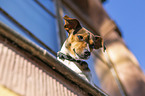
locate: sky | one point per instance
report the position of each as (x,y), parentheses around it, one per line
(129,16)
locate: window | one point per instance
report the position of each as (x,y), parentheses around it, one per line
(28,17)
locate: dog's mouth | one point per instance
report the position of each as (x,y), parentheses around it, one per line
(81,57)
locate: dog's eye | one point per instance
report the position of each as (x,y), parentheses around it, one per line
(80,37)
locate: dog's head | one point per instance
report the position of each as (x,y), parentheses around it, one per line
(80,41)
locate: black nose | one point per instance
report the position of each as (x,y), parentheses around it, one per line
(87,53)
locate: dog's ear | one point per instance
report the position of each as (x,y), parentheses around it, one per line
(99,43)
(71,24)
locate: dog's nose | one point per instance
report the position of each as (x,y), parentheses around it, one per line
(87,53)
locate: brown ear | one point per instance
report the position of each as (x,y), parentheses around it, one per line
(99,43)
(70,24)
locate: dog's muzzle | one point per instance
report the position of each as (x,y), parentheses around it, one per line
(86,54)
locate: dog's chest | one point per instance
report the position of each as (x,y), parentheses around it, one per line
(71,65)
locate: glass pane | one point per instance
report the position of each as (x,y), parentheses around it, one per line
(29,14)
(90,62)
(49,4)
(16,28)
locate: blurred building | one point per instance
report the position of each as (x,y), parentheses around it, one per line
(31,32)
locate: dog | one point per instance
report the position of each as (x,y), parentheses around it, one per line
(78,47)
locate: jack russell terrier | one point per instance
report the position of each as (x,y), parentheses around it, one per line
(78,47)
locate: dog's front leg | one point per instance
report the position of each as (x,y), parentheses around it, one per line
(83,66)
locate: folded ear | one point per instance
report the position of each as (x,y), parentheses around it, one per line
(71,24)
(99,43)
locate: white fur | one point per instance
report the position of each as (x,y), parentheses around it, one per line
(70,64)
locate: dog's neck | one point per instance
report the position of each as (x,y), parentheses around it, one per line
(65,51)
(64,54)
(69,58)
